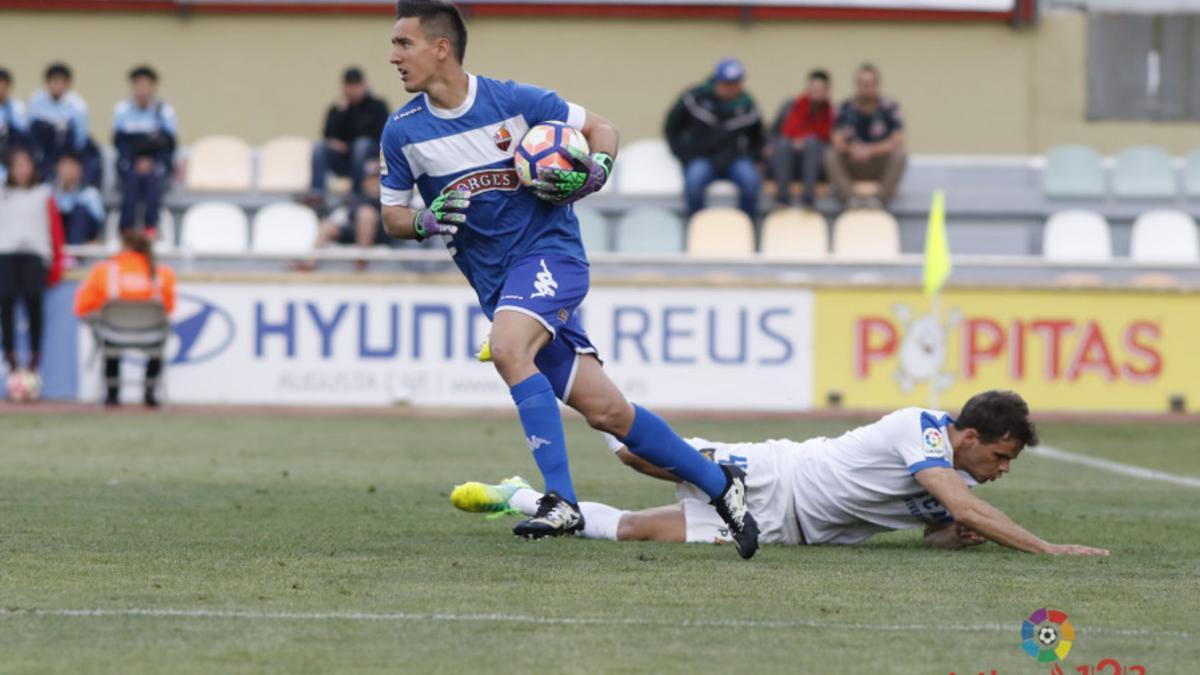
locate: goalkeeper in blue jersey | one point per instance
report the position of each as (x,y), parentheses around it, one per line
(521,251)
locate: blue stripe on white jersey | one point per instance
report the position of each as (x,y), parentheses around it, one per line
(434,150)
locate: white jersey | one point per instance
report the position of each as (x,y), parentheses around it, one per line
(848,488)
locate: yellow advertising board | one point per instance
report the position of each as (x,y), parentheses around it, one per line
(1063,350)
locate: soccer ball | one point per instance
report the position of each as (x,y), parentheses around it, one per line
(545,146)
(23,386)
(1047,635)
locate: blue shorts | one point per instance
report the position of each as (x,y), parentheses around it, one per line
(550,289)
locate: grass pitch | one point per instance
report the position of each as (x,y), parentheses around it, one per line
(302,545)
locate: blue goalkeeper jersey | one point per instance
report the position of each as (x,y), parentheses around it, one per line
(471,147)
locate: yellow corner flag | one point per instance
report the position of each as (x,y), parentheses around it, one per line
(937,250)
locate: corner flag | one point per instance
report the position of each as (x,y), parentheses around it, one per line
(937,250)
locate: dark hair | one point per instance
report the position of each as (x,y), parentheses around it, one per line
(819,74)
(73,155)
(868,67)
(5,75)
(58,69)
(438,20)
(135,240)
(11,181)
(352,75)
(997,415)
(143,71)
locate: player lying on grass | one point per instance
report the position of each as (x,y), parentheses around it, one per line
(912,468)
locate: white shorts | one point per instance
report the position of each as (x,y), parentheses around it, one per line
(768,494)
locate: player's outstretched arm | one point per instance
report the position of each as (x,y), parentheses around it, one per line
(990,522)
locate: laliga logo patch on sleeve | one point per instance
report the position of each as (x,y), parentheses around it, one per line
(382,163)
(934,443)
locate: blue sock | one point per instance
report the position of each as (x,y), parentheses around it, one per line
(539,413)
(653,440)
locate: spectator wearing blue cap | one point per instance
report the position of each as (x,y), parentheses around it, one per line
(716,131)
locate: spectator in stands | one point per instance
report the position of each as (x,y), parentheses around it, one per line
(803,135)
(14,123)
(31,237)
(58,122)
(353,126)
(81,207)
(716,132)
(868,142)
(362,224)
(131,275)
(144,133)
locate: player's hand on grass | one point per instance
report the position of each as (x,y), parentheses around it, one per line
(966,536)
(1076,549)
(563,186)
(443,216)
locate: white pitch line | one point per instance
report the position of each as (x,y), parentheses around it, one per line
(1114,467)
(254,615)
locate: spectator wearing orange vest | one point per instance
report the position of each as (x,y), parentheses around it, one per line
(31,239)
(131,274)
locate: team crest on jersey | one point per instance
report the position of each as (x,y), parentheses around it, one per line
(486,180)
(502,138)
(563,315)
(933,442)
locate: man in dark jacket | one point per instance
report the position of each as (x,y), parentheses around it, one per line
(716,132)
(353,126)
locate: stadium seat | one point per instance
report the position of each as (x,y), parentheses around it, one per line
(284,227)
(871,234)
(214,227)
(1077,236)
(1191,175)
(1164,236)
(1144,172)
(795,233)
(219,164)
(649,230)
(1073,172)
(166,231)
(647,168)
(285,165)
(720,233)
(594,228)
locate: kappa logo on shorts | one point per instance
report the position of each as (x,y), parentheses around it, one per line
(502,138)
(478,182)
(563,315)
(544,284)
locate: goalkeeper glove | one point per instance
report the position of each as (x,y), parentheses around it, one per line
(443,216)
(565,186)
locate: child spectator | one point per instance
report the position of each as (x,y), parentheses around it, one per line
(144,134)
(58,122)
(14,122)
(81,207)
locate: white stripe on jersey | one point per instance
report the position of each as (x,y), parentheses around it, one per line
(392,197)
(450,155)
(576,115)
